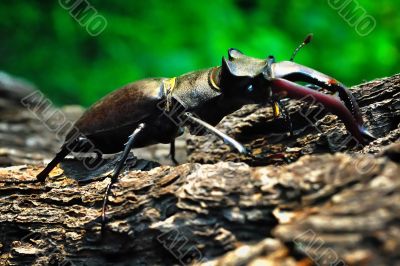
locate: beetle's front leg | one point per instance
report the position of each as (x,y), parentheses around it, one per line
(280,109)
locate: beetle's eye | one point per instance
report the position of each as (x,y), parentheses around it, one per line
(250,88)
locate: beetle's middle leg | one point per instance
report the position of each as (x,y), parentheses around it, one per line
(218,133)
(172,152)
(118,168)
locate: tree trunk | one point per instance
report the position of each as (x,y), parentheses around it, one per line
(312,198)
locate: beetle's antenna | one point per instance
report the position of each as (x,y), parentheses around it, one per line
(306,41)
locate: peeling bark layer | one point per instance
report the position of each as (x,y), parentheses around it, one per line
(296,203)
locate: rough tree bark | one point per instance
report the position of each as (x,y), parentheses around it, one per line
(311,198)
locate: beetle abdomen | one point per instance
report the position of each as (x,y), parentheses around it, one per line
(125,106)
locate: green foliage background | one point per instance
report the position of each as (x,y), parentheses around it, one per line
(42,42)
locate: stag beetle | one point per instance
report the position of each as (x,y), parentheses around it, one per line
(144,112)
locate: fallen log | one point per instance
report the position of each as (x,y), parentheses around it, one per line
(311,198)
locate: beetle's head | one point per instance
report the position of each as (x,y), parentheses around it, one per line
(250,80)
(242,77)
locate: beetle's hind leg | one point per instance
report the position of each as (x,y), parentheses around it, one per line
(118,168)
(41,177)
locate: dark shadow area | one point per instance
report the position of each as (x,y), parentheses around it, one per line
(76,169)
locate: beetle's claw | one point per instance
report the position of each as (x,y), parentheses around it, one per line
(247,152)
(367,135)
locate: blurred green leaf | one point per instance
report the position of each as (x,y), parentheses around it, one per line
(42,42)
